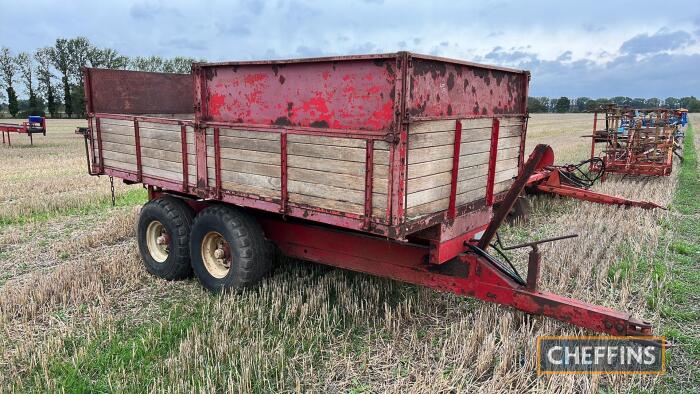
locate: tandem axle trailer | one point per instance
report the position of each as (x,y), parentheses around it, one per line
(397,165)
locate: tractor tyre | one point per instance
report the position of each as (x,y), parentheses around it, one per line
(163,233)
(228,248)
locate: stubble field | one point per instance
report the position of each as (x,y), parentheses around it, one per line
(78,312)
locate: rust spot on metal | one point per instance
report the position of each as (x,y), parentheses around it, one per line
(209,73)
(320,123)
(282,79)
(275,69)
(491,295)
(435,69)
(449,109)
(283,121)
(450,81)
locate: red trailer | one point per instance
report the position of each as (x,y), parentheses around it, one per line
(34,125)
(385,164)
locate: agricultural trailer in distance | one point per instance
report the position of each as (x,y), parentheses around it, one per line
(385,164)
(33,125)
(636,141)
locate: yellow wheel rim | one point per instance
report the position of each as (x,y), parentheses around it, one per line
(157,241)
(216,254)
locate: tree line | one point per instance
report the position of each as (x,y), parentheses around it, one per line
(52,76)
(585,104)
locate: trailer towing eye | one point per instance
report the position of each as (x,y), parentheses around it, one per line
(535,257)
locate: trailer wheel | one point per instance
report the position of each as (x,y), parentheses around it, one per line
(228,249)
(164,236)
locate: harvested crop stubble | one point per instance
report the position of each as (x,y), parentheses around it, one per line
(310,327)
(49,176)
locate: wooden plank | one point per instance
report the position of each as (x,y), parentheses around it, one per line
(161,164)
(246,155)
(472,195)
(326,165)
(122,157)
(323,140)
(417,170)
(320,202)
(352,182)
(247,167)
(381,156)
(119,165)
(426,196)
(147,141)
(327,152)
(171,146)
(427,208)
(161,154)
(325,191)
(381,170)
(117,129)
(259,145)
(238,133)
(258,191)
(161,173)
(380,145)
(258,181)
(428,182)
(106,121)
(120,148)
(159,126)
(422,155)
(343,206)
(447,137)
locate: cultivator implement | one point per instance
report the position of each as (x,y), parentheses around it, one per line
(571,181)
(34,125)
(637,141)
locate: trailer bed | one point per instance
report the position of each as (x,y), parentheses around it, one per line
(363,142)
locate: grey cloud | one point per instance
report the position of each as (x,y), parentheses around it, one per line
(662,40)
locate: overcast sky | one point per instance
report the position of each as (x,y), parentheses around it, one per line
(628,48)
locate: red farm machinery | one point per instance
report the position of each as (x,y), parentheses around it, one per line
(636,141)
(397,165)
(33,125)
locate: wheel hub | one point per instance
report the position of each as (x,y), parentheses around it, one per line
(216,254)
(157,241)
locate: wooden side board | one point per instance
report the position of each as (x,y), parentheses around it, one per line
(430,161)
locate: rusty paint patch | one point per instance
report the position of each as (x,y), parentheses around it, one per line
(283,121)
(450,81)
(320,123)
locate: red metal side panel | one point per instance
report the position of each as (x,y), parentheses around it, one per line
(136,92)
(343,94)
(439,88)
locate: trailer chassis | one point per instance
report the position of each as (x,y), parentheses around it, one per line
(474,272)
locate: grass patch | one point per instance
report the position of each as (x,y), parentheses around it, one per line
(130,198)
(680,310)
(101,363)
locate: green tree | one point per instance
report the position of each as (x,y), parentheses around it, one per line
(671,102)
(652,102)
(61,59)
(563,104)
(45,76)
(106,58)
(8,68)
(178,64)
(581,104)
(26,69)
(537,104)
(150,63)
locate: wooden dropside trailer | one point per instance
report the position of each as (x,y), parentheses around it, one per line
(386,164)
